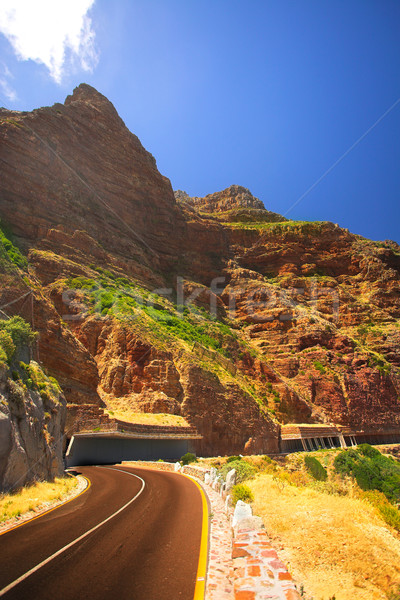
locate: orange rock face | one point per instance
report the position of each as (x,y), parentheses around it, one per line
(295,322)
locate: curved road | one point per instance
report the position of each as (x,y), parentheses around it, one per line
(148,551)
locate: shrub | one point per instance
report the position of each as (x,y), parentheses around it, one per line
(242,468)
(19,331)
(344,461)
(3,356)
(389,513)
(315,468)
(233,458)
(368,450)
(242,492)
(7,346)
(371,469)
(188,458)
(319,366)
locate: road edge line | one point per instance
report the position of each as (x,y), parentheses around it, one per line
(14,583)
(201,576)
(46,512)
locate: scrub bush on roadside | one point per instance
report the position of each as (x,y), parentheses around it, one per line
(242,468)
(188,458)
(242,492)
(371,469)
(315,468)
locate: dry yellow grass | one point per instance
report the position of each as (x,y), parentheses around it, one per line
(124,413)
(33,497)
(335,545)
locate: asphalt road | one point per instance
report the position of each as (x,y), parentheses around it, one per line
(149,551)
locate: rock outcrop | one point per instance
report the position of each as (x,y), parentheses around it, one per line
(31,429)
(233,197)
(235,203)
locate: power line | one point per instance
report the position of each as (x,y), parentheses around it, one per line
(339,160)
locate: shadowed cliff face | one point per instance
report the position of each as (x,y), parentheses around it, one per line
(213,308)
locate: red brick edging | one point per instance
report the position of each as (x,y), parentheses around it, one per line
(258,572)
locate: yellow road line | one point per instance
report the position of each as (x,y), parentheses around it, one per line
(201,576)
(50,509)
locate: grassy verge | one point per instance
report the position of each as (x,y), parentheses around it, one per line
(340,539)
(35,497)
(336,538)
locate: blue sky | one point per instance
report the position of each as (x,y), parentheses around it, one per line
(265,94)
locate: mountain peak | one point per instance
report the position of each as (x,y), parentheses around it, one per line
(232,198)
(85,92)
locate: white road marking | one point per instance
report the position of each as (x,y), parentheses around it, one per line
(81,537)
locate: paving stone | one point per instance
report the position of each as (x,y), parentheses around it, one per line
(243,582)
(245,595)
(269,554)
(284,576)
(292,595)
(238,552)
(267,583)
(277,564)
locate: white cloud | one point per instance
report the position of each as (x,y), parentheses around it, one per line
(56,33)
(6,89)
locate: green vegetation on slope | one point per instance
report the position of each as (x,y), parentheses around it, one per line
(14,333)
(121,298)
(34,378)
(283,227)
(9,252)
(165,323)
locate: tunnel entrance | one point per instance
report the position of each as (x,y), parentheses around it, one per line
(100,448)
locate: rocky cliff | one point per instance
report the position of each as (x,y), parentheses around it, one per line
(32,413)
(212,308)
